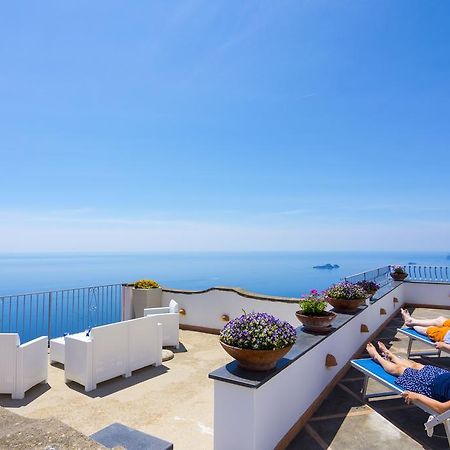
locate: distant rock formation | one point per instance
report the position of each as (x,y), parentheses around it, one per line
(327,266)
(412,263)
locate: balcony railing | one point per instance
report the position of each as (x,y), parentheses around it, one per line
(379,276)
(54,313)
(440,274)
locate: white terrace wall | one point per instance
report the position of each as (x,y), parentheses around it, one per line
(205,309)
(265,415)
(437,294)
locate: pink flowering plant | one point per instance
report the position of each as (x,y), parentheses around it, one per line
(346,291)
(368,286)
(313,304)
(258,331)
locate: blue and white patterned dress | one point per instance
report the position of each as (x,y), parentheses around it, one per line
(419,381)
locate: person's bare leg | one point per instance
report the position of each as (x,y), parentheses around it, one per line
(388,366)
(397,360)
(413,322)
(421,330)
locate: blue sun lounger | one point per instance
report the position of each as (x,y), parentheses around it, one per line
(413,335)
(373,370)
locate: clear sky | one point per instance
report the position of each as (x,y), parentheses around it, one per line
(225,125)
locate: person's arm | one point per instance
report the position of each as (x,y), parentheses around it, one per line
(439,407)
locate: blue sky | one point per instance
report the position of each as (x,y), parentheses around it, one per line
(224,125)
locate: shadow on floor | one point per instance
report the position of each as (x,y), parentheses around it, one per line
(30,395)
(119,383)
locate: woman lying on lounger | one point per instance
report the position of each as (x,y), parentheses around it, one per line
(430,385)
(437,329)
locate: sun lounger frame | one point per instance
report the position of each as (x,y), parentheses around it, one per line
(413,335)
(433,420)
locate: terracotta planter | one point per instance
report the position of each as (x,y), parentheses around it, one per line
(257,360)
(145,298)
(317,324)
(398,276)
(345,305)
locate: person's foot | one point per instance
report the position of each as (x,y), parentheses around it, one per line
(384,351)
(372,351)
(406,317)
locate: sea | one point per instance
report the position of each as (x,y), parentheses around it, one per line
(273,273)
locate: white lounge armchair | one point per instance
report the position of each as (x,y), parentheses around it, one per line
(22,366)
(169,317)
(112,350)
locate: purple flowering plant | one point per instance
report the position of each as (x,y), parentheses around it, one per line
(368,286)
(398,269)
(346,291)
(258,331)
(313,304)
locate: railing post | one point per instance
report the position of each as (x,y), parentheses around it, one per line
(49,331)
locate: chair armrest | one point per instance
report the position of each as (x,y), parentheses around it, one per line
(32,362)
(78,359)
(161,310)
(35,343)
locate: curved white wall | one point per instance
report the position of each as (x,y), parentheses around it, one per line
(205,309)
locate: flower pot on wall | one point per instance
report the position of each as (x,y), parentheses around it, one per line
(318,323)
(256,360)
(145,298)
(398,276)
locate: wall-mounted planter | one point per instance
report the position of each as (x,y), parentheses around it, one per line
(145,298)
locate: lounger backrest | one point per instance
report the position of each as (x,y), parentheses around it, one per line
(144,343)
(8,351)
(110,349)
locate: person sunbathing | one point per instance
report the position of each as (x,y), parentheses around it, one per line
(437,329)
(430,385)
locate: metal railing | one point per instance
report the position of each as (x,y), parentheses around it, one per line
(379,276)
(418,272)
(54,313)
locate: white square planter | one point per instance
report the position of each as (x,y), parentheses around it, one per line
(145,298)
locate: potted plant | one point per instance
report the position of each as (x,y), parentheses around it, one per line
(146,294)
(398,273)
(257,340)
(345,296)
(369,286)
(312,313)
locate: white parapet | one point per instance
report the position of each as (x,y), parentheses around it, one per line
(258,416)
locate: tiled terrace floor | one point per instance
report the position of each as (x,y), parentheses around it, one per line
(345,422)
(173,402)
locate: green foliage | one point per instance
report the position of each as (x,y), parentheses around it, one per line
(146,284)
(313,304)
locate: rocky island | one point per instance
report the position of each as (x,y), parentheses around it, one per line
(327,266)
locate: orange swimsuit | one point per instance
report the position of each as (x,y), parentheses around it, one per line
(437,334)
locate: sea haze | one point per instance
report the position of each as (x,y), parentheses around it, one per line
(275,273)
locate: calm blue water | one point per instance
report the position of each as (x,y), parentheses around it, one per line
(286,274)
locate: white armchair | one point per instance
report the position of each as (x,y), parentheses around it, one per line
(22,366)
(112,350)
(169,317)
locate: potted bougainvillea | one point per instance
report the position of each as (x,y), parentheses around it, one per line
(313,314)
(146,294)
(345,296)
(398,273)
(257,340)
(369,286)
